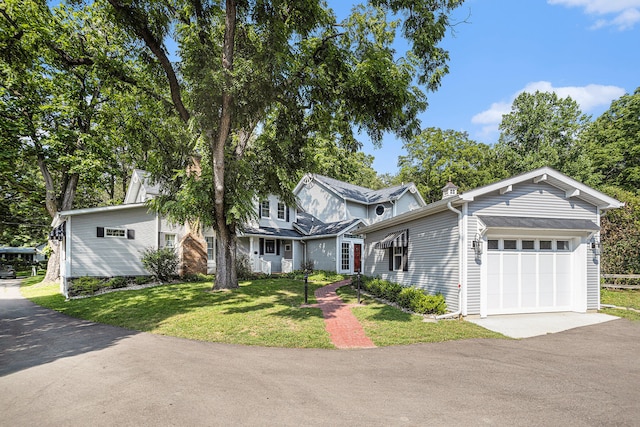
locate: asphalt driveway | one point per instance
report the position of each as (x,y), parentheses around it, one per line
(59,371)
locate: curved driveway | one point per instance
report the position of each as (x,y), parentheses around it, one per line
(58,371)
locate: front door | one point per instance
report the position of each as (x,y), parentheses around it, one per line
(357,257)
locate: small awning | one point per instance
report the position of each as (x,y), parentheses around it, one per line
(541,223)
(398,239)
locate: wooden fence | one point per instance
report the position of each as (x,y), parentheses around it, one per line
(633,277)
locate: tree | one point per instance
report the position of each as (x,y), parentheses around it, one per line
(543,130)
(257,82)
(57,76)
(620,234)
(437,156)
(614,141)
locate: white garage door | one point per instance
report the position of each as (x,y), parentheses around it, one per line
(526,275)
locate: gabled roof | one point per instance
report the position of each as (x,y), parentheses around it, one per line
(551,176)
(140,180)
(360,194)
(570,186)
(283,233)
(62,215)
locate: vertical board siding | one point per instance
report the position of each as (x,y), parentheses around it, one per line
(533,200)
(433,256)
(323,253)
(111,256)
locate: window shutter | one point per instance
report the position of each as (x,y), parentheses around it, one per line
(287,208)
(261,246)
(391,258)
(405,258)
(278,247)
(131,234)
(100,232)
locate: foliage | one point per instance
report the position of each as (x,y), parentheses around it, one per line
(117,282)
(543,130)
(141,280)
(243,267)
(307,265)
(620,235)
(162,263)
(257,83)
(84,286)
(613,138)
(437,156)
(410,298)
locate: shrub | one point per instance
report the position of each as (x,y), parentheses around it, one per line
(410,298)
(141,280)
(198,278)
(84,286)
(117,282)
(243,268)
(162,263)
(307,265)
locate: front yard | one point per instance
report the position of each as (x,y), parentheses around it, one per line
(263,312)
(629,298)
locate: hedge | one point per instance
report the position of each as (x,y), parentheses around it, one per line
(407,297)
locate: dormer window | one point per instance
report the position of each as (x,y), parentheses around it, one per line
(264,209)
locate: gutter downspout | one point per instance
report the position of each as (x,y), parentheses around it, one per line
(460,249)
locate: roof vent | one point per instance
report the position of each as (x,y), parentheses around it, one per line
(449,190)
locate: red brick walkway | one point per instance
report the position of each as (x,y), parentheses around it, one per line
(342,325)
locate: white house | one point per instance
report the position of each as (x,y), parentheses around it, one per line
(526,244)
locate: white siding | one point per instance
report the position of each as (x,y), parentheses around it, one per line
(433,256)
(373,217)
(356,210)
(533,200)
(593,279)
(273,220)
(110,256)
(323,253)
(319,202)
(474,265)
(406,203)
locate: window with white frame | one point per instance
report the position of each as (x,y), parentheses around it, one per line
(210,245)
(169,240)
(528,245)
(282,210)
(398,258)
(115,232)
(264,209)
(346,255)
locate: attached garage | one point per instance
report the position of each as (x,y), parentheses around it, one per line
(526,244)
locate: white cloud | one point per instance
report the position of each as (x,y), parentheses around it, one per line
(626,13)
(588,97)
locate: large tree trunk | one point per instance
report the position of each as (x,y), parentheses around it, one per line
(226,275)
(53,265)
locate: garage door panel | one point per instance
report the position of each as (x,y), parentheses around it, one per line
(528,280)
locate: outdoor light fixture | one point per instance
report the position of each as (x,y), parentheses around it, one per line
(595,245)
(476,244)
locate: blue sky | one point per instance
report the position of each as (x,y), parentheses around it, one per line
(586,49)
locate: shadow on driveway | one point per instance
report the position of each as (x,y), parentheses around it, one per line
(31,335)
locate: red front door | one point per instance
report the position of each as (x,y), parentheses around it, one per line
(357,256)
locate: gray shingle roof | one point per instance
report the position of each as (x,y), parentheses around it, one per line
(362,194)
(312,226)
(543,223)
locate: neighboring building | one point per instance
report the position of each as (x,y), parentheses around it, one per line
(23,254)
(526,244)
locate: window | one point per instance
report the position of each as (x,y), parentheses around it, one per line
(562,245)
(210,246)
(545,245)
(270,246)
(115,232)
(510,244)
(398,258)
(281,210)
(346,255)
(493,245)
(169,240)
(264,209)
(528,245)
(379,210)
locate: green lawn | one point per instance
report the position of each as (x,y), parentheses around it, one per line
(263,312)
(621,298)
